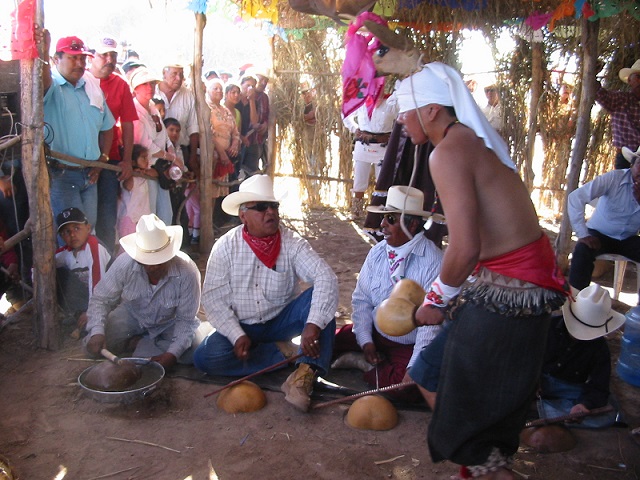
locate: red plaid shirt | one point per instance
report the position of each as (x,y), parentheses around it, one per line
(624,108)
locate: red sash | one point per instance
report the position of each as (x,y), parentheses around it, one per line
(534,263)
(266,249)
(95,255)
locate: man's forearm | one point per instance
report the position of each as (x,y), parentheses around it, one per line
(127,141)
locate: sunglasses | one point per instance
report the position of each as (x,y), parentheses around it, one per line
(264,206)
(390,218)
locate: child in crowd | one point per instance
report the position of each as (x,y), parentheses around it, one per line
(160,106)
(178,192)
(134,198)
(80,264)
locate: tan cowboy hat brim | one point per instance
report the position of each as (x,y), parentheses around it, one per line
(629,154)
(625,72)
(231,203)
(162,255)
(389,209)
(584,332)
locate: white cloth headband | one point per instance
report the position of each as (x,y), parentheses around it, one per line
(440,84)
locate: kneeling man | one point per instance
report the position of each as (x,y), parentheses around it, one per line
(147,301)
(250,296)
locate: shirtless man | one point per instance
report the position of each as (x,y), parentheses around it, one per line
(493,349)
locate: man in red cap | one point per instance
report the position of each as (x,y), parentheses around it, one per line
(78,123)
(120,102)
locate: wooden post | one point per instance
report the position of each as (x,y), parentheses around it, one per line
(36,177)
(536,93)
(206,140)
(583,131)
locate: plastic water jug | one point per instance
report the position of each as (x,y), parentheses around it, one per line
(629,362)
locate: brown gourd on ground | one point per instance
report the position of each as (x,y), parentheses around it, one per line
(110,377)
(242,398)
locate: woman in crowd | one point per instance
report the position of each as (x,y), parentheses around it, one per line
(150,132)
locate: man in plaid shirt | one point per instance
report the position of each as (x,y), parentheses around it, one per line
(624,108)
(252,299)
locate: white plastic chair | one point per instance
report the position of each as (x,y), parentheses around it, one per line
(620,265)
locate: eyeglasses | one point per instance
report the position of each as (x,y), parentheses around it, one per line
(264,206)
(390,218)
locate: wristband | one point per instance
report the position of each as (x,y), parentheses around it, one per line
(440,294)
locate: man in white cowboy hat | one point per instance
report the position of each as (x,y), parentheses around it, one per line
(624,107)
(501,319)
(577,362)
(251,298)
(404,253)
(613,226)
(147,301)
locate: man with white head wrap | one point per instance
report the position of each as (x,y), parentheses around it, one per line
(500,320)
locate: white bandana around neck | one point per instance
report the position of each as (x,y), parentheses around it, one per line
(440,84)
(397,256)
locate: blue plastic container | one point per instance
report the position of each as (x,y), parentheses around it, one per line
(629,362)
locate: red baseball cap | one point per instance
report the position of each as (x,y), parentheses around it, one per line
(72,46)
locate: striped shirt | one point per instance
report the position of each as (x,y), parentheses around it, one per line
(174,301)
(624,108)
(239,289)
(374,285)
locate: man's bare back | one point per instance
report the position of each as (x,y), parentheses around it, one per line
(469,175)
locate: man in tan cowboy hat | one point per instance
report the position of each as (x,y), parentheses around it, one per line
(251,299)
(577,362)
(404,253)
(624,107)
(147,301)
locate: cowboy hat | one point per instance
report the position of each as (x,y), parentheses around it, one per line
(402,199)
(630,155)
(154,242)
(625,72)
(590,316)
(258,188)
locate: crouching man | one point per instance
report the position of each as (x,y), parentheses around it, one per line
(146,303)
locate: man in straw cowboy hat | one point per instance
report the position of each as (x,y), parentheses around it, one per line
(148,299)
(251,299)
(624,107)
(501,319)
(577,362)
(615,223)
(404,253)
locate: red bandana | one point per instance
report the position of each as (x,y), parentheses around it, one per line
(266,249)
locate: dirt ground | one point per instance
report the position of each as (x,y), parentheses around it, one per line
(49,429)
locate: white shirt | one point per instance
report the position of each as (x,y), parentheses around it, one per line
(381,120)
(238,288)
(81,263)
(374,285)
(182,107)
(144,131)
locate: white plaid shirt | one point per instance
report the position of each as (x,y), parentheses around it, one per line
(174,301)
(374,285)
(239,288)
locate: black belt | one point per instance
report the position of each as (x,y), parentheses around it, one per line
(368,137)
(58,165)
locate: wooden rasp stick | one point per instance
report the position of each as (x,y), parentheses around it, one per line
(571,416)
(254,374)
(397,386)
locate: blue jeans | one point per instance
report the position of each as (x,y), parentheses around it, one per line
(559,397)
(426,369)
(108,186)
(215,354)
(71,188)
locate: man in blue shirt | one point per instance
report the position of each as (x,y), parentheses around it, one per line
(614,225)
(78,123)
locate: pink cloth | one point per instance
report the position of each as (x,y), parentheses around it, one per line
(193,205)
(359,81)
